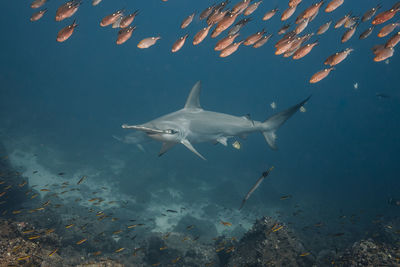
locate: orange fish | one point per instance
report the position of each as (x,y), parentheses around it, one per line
(383,54)
(219,249)
(270,14)
(301,26)
(262,41)
(230,49)
(66,32)
(304,254)
(288,13)
(221,5)
(348,34)
(38,15)
(300,17)
(81,241)
(366,33)
(314,16)
(225,223)
(206,12)
(284,47)
(201,35)
(312,10)
(386,30)
(38,3)
(241,6)
(67,10)
(350,22)
(251,8)
(112,18)
(187,21)
(288,36)
(385,16)
(252,39)
(304,50)
(148,42)
(332,5)
(179,44)
(338,57)
(224,24)
(324,28)
(119,250)
(342,21)
(125,34)
(393,41)
(320,75)
(225,42)
(292,46)
(216,17)
(294,3)
(370,13)
(127,20)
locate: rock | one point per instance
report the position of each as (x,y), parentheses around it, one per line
(262,246)
(370,253)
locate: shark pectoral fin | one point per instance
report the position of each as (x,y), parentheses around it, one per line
(270,137)
(165,147)
(187,144)
(223,140)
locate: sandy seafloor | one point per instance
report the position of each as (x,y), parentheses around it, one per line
(98,209)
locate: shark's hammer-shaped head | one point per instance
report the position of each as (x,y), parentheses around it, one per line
(166,132)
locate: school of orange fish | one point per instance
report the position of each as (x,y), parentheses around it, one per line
(292,44)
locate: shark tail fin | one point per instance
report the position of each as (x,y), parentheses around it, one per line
(272,124)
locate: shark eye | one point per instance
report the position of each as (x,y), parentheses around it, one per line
(170,131)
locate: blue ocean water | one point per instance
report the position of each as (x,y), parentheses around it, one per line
(65,101)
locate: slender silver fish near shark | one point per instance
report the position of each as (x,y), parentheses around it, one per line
(192,124)
(255,186)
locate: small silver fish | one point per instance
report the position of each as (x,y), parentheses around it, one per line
(255,186)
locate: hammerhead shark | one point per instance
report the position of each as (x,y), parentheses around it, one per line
(192,124)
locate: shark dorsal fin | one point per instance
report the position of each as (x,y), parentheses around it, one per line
(193,100)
